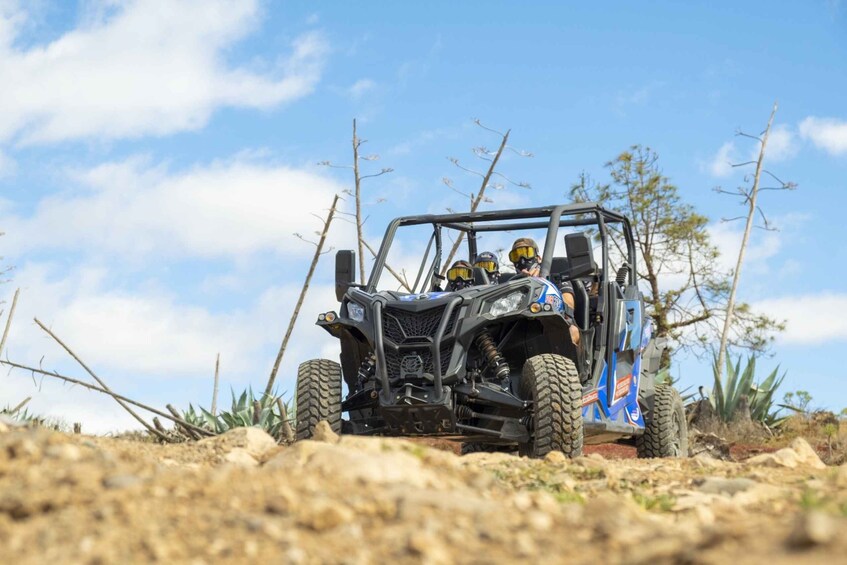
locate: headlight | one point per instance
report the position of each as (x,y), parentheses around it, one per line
(355,311)
(508,303)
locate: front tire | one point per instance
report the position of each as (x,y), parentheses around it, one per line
(666,432)
(318,396)
(552,383)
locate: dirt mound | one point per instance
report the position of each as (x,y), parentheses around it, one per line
(371,500)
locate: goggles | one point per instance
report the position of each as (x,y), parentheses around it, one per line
(489,266)
(519,253)
(463,273)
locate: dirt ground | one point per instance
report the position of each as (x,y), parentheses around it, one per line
(240,497)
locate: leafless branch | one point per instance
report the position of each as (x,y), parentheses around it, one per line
(456,162)
(742,134)
(9,320)
(480,124)
(379,174)
(332,165)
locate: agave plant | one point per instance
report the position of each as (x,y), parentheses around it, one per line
(34,420)
(726,396)
(247,410)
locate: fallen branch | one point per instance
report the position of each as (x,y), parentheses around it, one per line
(186,430)
(132,413)
(114,395)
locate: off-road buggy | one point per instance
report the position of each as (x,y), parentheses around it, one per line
(493,365)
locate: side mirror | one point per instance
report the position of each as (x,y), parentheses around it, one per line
(580,256)
(345,272)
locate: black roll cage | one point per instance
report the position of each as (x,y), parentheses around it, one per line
(551,217)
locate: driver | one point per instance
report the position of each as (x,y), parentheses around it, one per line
(526,259)
(488,262)
(459,276)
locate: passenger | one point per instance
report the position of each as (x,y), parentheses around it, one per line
(459,276)
(489,263)
(524,255)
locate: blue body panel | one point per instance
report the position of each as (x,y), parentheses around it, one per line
(600,404)
(424,296)
(550,295)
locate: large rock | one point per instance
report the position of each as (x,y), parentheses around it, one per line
(723,485)
(798,455)
(352,463)
(253,441)
(812,528)
(325,433)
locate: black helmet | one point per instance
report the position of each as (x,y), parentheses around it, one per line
(488,261)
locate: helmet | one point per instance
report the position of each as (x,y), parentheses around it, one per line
(523,249)
(488,261)
(459,275)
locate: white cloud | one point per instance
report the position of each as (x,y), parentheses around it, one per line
(721,164)
(811,319)
(151,345)
(136,208)
(829,134)
(781,145)
(139,68)
(360,88)
(763,246)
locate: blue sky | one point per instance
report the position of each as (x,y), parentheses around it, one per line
(155,158)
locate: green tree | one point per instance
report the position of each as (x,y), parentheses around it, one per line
(684,288)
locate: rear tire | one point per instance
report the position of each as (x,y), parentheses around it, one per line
(318,396)
(551,382)
(666,432)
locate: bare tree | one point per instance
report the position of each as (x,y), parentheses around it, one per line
(319,245)
(749,196)
(357,193)
(477,198)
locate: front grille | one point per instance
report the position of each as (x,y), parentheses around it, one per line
(394,360)
(401,326)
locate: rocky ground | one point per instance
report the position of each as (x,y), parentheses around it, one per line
(240,497)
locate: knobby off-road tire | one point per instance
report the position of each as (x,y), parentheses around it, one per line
(551,382)
(318,396)
(666,432)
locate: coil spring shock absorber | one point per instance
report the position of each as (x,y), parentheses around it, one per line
(486,345)
(367,369)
